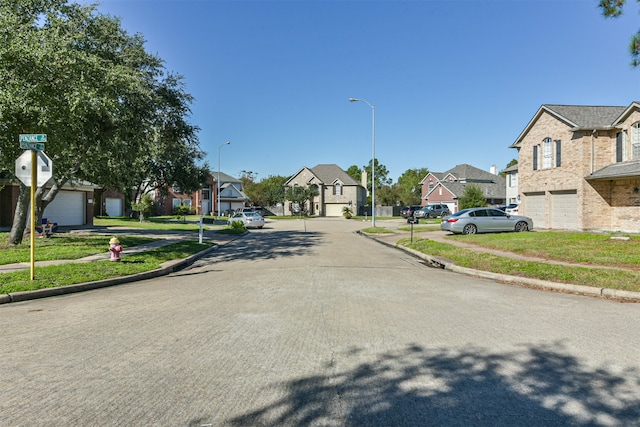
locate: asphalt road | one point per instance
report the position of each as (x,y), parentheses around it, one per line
(306,323)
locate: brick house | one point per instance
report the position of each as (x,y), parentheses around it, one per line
(447,187)
(205,200)
(579,167)
(336,189)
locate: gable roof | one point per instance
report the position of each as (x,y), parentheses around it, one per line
(327,174)
(470,173)
(330,173)
(579,117)
(224,177)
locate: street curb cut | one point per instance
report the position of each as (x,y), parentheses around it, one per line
(536,283)
(167,268)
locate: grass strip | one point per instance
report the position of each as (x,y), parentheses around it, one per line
(73,273)
(587,276)
(62,246)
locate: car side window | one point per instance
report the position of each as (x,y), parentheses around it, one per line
(496,212)
(481,212)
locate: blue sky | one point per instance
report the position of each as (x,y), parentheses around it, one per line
(452,81)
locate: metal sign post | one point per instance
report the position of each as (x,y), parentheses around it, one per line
(35,143)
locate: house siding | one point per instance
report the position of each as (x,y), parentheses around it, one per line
(601,205)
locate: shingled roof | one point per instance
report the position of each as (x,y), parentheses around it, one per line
(329,173)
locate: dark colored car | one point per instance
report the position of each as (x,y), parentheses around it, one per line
(407,211)
(432,211)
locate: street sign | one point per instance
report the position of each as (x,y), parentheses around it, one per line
(44,165)
(32,141)
(33,137)
(38,146)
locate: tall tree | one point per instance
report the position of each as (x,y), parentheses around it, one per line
(355,172)
(613,9)
(106,105)
(381,176)
(270,191)
(410,188)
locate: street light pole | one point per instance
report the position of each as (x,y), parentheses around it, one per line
(373,157)
(218,180)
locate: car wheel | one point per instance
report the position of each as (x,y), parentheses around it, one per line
(469,229)
(522,226)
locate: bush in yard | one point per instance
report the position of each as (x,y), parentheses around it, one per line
(473,197)
(237,225)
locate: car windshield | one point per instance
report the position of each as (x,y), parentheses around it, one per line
(251,214)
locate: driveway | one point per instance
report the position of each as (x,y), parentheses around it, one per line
(306,323)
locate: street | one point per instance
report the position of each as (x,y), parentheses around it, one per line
(307,323)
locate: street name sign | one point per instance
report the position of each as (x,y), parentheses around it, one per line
(33,141)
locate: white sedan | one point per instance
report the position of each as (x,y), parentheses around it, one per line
(249,219)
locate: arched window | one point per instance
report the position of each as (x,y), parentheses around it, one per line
(337,189)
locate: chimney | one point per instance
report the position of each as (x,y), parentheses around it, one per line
(494,170)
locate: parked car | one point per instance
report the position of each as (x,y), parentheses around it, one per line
(484,220)
(249,219)
(432,211)
(512,209)
(407,211)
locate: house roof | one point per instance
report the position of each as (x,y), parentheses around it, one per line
(224,177)
(578,117)
(616,170)
(494,186)
(512,168)
(330,172)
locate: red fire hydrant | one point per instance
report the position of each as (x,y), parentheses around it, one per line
(115,249)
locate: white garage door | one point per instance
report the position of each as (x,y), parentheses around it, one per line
(564,210)
(68,208)
(114,206)
(333,209)
(534,206)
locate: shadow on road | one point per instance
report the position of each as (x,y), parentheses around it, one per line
(417,386)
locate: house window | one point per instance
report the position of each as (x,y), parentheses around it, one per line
(176,203)
(546,153)
(535,157)
(186,202)
(619,147)
(337,189)
(206,194)
(635,141)
(431,184)
(558,153)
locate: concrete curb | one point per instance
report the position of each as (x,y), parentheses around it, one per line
(167,268)
(535,283)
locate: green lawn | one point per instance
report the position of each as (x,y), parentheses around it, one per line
(590,250)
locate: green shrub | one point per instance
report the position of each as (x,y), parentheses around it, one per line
(237,225)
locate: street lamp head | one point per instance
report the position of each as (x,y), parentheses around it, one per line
(353,99)
(228,142)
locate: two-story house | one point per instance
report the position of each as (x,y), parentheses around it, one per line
(511,178)
(335,190)
(579,167)
(447,187)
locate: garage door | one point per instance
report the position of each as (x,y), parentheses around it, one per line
(68,208)
(564,210)
(114,206)
(334,209)
(534,206)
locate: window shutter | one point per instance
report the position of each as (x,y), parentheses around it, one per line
(618,147)
(558,153)
(535,157)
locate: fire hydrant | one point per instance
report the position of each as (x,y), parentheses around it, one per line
(115,249)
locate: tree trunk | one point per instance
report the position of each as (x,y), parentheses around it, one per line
(20,215)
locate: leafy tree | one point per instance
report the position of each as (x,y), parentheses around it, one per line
(271,190)
(143,207)
(473,197)
(355,172)
(381,177)
(410,188)
(301,195)
(389,195)
(250,187)
(111,114)
(613,9)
